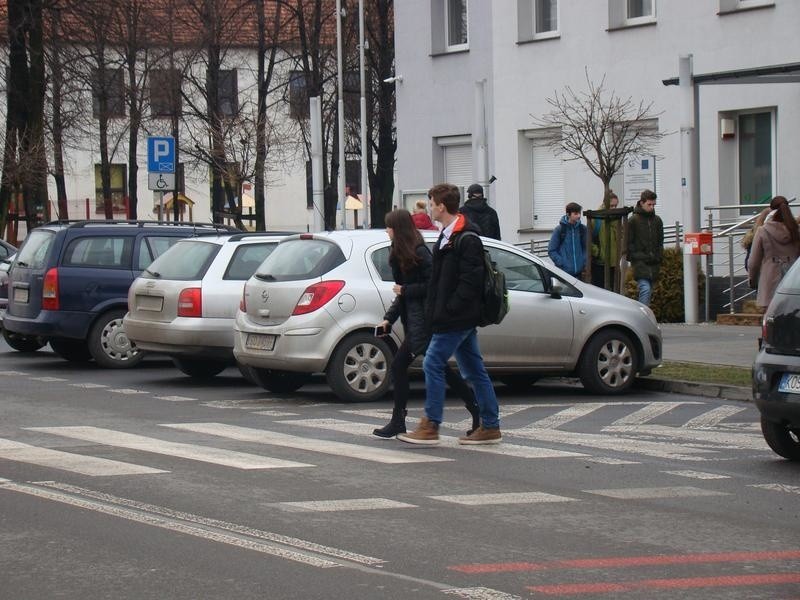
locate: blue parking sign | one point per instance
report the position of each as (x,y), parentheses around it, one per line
(161,154)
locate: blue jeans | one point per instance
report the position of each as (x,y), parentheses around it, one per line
(645,291)
(464,346)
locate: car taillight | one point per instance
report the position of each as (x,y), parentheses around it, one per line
(190,303)
(50,290)
(317,295)
(243,301)
(765,323)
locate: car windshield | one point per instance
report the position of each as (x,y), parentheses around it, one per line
(34,251)
(299,259)
(185,261)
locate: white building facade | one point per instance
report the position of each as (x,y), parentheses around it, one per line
(476,74)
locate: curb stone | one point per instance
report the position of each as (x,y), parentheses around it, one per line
(693,388)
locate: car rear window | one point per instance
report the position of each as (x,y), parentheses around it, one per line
(299,259)
(790,284)
(105,251)
(35,249)
(185,261)
(246,259)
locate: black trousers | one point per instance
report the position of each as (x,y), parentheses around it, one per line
(402,361)
(598,275)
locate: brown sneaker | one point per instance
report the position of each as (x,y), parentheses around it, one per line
(426,434)
(481,436)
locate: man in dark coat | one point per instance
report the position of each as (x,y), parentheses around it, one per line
(453,311)
(645,233)
(480,213)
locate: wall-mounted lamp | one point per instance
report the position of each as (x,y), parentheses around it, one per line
(727,129)
(396,78)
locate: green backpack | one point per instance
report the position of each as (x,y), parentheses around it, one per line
(494,293)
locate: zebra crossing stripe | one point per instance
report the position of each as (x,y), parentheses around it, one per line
(507,498)
(656,492)
(714,416)
(479,593)
(571,413)
(504,449)
(217,456)
(345,505)
(726,439)
(66,461)
(697,474)
(648,413)
(260,436)
(777,487)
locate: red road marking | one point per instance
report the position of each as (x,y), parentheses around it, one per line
(667,584)
(627,561)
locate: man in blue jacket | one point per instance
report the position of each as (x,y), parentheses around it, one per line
(567,247)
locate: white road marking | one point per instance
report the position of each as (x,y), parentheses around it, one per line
(275,413)
(260,436)
(2,481)
(777,487)
(605,460)
(479,593)
(128,391)
(697,474)
(656,492)
(571,413)
(508,498)
(13,373)
(183,527)
(714,416)
(176,398)
(724,439)
(217,456)
(648,413)
(88,386)
(48,379)
(345,505)
(66,461)
(609,442)
(504,449)
(232,527)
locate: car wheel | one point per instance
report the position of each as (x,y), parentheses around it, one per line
(109,345)
(359,368)
(519,382)
(71,350)
(783,440)
(199,368)
(608,363)
(279,382)
(22,343)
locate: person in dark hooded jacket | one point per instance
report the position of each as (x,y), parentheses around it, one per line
(411,260)
(480,214)
(645,233)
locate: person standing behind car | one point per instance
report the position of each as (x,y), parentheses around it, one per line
(453,312)
(567,247)
(604,246)
(420,217)
(645,233)
(480,213)
(776,246)
(410,260)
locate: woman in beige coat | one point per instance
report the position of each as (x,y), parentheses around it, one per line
(775,247)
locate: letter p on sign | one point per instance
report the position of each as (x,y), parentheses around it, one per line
(161,154)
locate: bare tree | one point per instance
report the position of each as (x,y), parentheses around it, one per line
(599,128)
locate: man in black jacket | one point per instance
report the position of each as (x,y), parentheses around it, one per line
(453,312)
(480,213)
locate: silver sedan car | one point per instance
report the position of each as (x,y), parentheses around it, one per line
(313,304)
(184,303)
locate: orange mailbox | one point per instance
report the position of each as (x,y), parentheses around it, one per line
(698,243)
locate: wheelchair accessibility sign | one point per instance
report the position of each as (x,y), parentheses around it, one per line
(161,154)
(161,182)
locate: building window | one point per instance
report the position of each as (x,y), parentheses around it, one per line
(629,13)
(640,9)
(728,6)
(165,93)
(298,95)
(111,88)
(119,188)
(545,17)
(228,93)
(547,169)
(456,24)
(756,166)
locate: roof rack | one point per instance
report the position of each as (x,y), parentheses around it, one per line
(77,223)
(240,236)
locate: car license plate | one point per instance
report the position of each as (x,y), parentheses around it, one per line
(257,341)
(21,295)
(154,303)
(790,383)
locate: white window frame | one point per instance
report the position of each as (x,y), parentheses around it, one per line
(552,33)
(651,18)
(447,45)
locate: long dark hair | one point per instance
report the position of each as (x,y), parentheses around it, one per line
(406,239)
(783,214)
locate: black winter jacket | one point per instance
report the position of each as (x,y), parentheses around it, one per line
(453,301)
(483,216)
(645,234)
(409,306)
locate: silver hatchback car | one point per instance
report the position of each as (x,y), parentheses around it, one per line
(184,303)
(313,304)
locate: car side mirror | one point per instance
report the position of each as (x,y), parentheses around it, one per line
(556,289)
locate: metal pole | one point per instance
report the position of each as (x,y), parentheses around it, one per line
(690,203)
(730,273)
(363,116)
(317,193)
(160,207)
(480,155)
(340,112)
(709,269)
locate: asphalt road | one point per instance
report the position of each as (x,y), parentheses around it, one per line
(145,484)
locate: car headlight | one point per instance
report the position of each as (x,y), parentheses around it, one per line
(649,314)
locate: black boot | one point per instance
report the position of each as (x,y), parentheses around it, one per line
(393,427)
